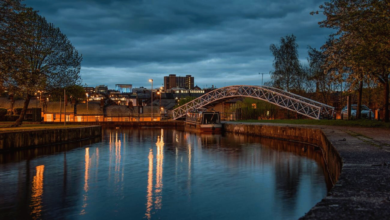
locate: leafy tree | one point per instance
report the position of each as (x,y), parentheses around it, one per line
(288,73)
(361,42)
(324,82)
(43,59)
(13,32)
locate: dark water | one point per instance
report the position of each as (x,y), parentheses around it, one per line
(162,174)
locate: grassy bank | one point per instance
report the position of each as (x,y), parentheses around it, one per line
(359,123)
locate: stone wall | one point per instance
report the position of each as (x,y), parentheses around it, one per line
(312,136)
(113,124)
(33,138)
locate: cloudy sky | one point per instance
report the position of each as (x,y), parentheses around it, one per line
(219,42)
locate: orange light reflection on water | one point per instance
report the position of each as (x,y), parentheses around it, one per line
(149,195)
(86,178)
(159,169)
(37,191)
(159,176)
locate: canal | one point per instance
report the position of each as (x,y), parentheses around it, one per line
(163,174)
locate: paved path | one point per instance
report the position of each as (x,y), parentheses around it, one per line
(363,189)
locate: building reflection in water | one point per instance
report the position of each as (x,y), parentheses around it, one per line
(159,171)
(159,177)
(37,191)
(86,178)
(190,139)
(149,196)
(89,160)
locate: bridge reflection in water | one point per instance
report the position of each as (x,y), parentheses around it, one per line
(164,173)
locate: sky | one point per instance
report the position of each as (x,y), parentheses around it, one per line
(219,42)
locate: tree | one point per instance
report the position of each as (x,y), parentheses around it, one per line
(13,20)
(361,40)
(42,60)
(288,73)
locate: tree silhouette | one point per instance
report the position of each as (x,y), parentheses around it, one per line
(43,59)
(288,73)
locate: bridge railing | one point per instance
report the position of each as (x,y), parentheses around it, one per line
(287,100)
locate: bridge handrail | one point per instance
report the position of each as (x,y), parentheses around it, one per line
(310,100)
(215,95)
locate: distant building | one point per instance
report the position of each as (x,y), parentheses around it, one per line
(141,90)
(89,90)
(119,98)
(181,92)
(101,89)
(124,88)
(173,81)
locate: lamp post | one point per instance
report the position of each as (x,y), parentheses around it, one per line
(87,99)
(151,95)
(159,93)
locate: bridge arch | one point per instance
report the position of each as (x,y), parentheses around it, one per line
(278,97)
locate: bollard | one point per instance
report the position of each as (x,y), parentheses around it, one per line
(378,114)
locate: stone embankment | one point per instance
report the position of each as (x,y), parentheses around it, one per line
(358,162)
(15,140)
(123,124)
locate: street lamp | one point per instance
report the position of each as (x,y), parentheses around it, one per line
(159,93)
(87,100)
(151,95)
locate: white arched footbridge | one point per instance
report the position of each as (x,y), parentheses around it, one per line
(287,100)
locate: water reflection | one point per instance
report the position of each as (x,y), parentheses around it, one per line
(159,169)
(86,177)
(169,174)
(37,191)
(159,175)
(149,196)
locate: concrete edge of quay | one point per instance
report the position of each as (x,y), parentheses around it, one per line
(124,124)
(360,183)
(27,139)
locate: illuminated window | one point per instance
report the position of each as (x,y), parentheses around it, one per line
(254,106)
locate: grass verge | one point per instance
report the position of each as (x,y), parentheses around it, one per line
(351,123)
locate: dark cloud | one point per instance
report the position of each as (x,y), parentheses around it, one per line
(220,42)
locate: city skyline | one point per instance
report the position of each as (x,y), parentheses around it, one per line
(132,41)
